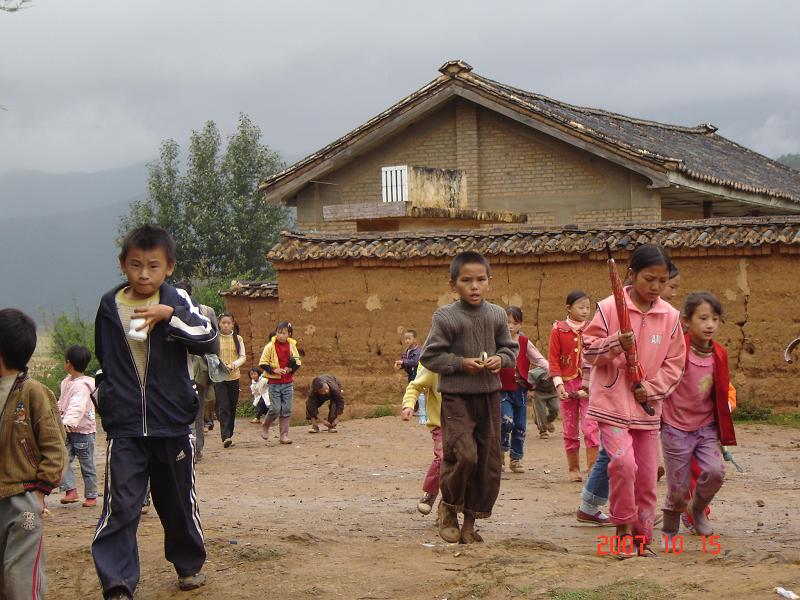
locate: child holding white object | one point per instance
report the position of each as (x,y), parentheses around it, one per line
(427,382)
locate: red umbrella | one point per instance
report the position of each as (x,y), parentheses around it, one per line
(634,369)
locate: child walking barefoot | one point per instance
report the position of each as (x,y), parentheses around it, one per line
(469,342)
(427,382)
(566,364)
(630,435)
(280,360)
(697,418)
(514,392)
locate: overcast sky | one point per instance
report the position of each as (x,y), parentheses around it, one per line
(90,85)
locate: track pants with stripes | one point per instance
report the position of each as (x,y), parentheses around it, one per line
(168,463)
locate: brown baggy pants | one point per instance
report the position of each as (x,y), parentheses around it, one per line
(471,461)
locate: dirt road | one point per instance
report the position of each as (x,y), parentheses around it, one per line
(333,516)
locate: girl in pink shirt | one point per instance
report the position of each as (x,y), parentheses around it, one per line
(696,418)
(629,434)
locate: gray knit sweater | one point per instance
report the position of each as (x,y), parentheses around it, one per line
(460,331)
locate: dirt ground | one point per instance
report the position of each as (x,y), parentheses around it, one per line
(333,516)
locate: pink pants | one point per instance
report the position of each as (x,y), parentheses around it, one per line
(632,476)
(573,415)
(431,483)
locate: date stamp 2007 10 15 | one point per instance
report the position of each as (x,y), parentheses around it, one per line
(628,544)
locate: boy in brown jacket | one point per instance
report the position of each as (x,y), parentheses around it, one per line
(468,343)
(32,459)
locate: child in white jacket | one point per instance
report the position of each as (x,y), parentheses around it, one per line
(77,414)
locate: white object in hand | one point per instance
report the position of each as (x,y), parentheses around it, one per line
(133,334)
(786,593)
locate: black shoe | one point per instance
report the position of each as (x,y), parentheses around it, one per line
(117,594)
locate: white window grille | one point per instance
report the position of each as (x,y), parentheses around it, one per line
(394,184)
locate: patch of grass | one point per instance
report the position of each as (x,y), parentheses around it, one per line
(620,590)
(748,410)
(245,409)
(786,420)
(381,411)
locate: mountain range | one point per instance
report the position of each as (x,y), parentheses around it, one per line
(58,237)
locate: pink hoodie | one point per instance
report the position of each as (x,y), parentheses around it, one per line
(75,406)
(662,354)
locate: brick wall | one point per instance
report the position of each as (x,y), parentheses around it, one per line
(348,318)
(616,215)
(515,162)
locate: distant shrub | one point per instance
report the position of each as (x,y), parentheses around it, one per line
(68,329)
(381,411)
(747,409)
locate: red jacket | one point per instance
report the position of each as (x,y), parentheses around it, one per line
(515,376)
(565,352)
(722,410)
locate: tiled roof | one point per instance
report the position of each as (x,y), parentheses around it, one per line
(252,289)
(697,152)
(716,233)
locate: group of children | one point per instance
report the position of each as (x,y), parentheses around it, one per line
(475,371)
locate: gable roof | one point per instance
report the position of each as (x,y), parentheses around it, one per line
(302,247)
(663,151)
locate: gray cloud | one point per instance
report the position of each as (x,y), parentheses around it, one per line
(93,85)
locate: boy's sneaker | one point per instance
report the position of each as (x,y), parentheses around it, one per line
(598,518)
(425,504)
(191,582)
(544,435)
(70,496)
(333,429)
(89,503)
(118,594)
(449,530)
(516,466)
(314,428)
(550,427)
(227,443)
(255,421)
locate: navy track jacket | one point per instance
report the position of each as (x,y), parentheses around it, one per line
(166,404)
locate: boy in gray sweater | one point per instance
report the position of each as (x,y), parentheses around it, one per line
(469,342)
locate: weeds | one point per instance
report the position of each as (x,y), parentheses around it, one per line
(621,590)
(381,411)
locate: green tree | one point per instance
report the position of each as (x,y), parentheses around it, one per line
(221,224)
(792,160)
(69,329)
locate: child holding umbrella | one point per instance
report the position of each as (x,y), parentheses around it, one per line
(631,374)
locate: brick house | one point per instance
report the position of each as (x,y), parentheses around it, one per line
(539,186)
(464,151)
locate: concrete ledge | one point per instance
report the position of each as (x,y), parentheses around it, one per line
(398,210)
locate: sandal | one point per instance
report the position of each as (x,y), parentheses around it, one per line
(647,552)
(470,537)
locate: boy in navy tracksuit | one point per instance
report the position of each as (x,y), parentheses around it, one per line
(144,331)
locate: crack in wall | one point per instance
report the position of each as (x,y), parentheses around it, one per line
(744,345)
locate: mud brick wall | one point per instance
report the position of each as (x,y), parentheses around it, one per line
(349,316)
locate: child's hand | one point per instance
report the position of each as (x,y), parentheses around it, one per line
(153,314)
(472,365)
(406,413)
(398,364)
(493,364)
(640,394)
(562,392)
(40,498)
(626,340)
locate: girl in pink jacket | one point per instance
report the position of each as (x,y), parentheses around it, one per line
(629,434)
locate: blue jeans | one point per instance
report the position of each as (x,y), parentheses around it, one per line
(595,491)
(82,446)
(513,421)
(280,400)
